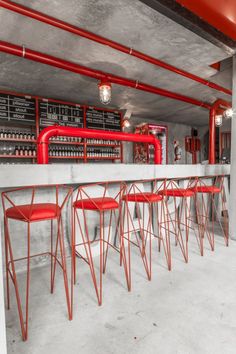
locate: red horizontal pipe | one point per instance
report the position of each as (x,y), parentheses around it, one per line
(96,74)
(54,131)
(39,16)
(219,104)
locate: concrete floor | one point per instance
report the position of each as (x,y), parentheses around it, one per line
(189,310)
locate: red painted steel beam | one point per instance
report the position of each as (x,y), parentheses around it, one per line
(39,16)
(218,105)
(30,54)
(220,14)
(54,131)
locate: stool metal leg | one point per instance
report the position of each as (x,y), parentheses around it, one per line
(87,247)
(7,263)
(15,282)
(125,251)
(64,266)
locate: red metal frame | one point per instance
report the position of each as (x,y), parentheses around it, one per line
(84,195)
(144,232)
(7,200)
(39,16)
(208,209)
(179,223)
(50,60)
(43,139)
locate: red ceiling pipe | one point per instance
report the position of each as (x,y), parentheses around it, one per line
(218,105)
(104,41)
(54,131)
(96,74)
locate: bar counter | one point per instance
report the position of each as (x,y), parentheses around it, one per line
(88,173)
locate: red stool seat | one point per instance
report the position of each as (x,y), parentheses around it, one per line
(33,212)
(207,189)
(177,192)
(147,197)
(104,203)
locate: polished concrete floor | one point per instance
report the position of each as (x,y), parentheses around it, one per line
(191,309)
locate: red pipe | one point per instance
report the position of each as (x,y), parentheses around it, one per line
(54,131)
(218,105)
(96,74)
(104,41)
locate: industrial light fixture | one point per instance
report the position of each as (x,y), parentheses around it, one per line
(105,92)
(218,120)
(126,123)
(228,113)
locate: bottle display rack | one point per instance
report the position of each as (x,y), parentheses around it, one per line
(19,131)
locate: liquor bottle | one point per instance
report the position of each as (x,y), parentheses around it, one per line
(16,151)
(30,151)
(26,152)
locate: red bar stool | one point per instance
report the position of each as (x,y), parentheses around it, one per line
(207,193)
(179,221)
(31,213)
(95,198)
(146,205)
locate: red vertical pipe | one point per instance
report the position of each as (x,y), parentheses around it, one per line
(212,136)
(219,104)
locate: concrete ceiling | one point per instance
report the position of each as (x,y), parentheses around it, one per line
(129,22)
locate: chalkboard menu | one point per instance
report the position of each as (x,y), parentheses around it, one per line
(104,120)
(51,113)
(17,108)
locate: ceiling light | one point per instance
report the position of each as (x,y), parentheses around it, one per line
(228,113)
(218,120)
(126,123)
(105,92)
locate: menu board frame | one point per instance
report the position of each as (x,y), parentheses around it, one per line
(61,118)
(16,107)
(97,125)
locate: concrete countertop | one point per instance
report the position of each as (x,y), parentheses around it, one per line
(24,175)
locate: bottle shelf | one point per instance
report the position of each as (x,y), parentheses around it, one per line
(19,140)
(104,145)
(58,142)
(18,157)
(67,157)
(102,158)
